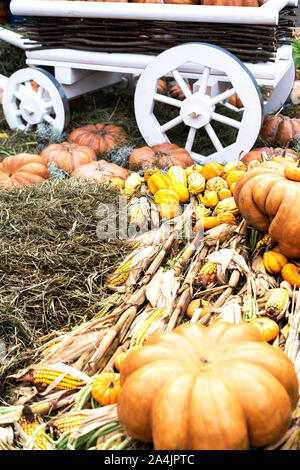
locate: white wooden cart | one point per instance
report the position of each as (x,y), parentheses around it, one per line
(216,74)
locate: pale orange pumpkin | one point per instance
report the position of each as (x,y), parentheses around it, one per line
(220,387)
(161,156)
(280,130)
(100,171)
(68,156)
(22,169)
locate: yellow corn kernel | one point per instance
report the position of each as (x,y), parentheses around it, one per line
(67,423)
(141,334)
(120,275)
(45,377)
(207,274)
(277,302)
(30,424)
(265,241)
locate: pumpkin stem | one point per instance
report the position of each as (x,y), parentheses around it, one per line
(111,384)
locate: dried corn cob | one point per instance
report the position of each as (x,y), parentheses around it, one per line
(44,377)
(265,241)
(277,302)
(141,334)
(67,423)
(120,275)
(207,274)
(29,424)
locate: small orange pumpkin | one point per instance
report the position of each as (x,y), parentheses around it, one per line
(106,388)
(292,172)
(100,171)
(119,360)
(22,169)
(291,273)
(68,156)
(100,137)
(195,305)
(161,156)
(267,326)
(274,261)
(211,170)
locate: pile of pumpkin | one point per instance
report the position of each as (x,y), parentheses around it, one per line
(198,368)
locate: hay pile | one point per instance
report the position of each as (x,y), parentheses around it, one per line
(52,263)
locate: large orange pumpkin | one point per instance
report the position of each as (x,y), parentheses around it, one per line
(220,387)
(161,156)
(22,169)
(270,203)
(99,137)
(68,156)
(100,171)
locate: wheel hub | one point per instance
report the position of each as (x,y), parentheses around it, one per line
(196,110)
(32,109)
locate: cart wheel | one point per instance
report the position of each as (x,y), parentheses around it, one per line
(282,90)
(33,96)
(218,69)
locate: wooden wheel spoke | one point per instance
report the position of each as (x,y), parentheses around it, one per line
(204,81)
(167,100)
(213,137)
(222,96)
(170,124)
(185,89)
(226,120)
(190,139)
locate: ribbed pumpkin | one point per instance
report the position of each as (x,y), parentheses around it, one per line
(22,169)
(270,203)
(160,156)
(274,261)
(100,137)
(220,387)
(100,171)
(280,130)
(68,156)
(157,181)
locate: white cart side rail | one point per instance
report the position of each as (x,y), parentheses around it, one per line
(14,39)
(266,14)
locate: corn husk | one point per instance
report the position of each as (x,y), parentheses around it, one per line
(162,289)
(140,259)
(6,438)
(228,259)
(156,325)
(231,311)
(219,234)
(139,211)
